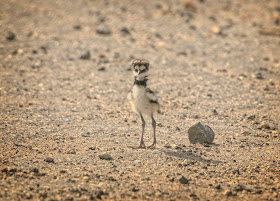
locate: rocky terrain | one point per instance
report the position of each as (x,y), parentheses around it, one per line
(66,125)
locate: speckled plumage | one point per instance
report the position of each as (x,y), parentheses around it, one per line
(143,100)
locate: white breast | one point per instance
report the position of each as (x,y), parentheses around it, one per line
(139,100)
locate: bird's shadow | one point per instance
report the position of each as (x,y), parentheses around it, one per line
(189,156)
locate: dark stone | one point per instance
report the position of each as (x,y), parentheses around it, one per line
(183,180)
(252,117)
(100,193)
(199,133)
(105,30)
(35,170)
(10,36)
(215,112)
(102,69)
(77,27)
(85,56)
(135,189)
(125,30)
(44,49)
(259,76)
(49,160)
(228,193)
(105,157)
(239,187)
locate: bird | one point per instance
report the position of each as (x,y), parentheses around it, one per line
(143,100)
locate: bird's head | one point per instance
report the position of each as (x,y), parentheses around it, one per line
(140,68)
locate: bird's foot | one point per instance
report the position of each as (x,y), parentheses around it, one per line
(141,146)
(153,146)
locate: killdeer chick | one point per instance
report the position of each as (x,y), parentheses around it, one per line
(143,100)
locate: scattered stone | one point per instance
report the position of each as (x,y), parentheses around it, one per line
(14,52)
(72,152)
(125,30)
(102,69)
(215,112)
(104,30)
(254,122)
(10,36)
(13,170)
(86,178)
(85,56)
(239,187)
(245,133)
(49,160)
(105,157)
(182,53)
(43,195)
(259,76)
(4,170)
(134,189)
(92,148)
(35,170)
(77,27)
(265,125)
(44,49)
(228,193)
(193,195)
(252,117)
(183,180)
(199,133)
(87,134)
(100,193)
(218,187)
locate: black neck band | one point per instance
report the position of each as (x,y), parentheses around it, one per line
(141,82)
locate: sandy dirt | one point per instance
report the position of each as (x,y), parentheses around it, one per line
(66,125)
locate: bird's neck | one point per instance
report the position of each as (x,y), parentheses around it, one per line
(141,80)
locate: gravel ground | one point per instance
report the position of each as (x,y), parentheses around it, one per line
(66,125)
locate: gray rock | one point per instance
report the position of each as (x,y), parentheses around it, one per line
(10,36)
(199,133)
(239,187)
(183,180)
(105,157)
(103,30)
(49,160)
(85,56)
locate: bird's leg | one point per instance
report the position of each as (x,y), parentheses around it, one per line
(154,130)
(142,145)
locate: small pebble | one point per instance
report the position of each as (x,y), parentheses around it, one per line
(77,27)
(10,36)
(259,76)
(228,193)
(125,30)
(49,160)
(183,180)
(105,157)
(102,69)
(105,30)
(265,125)
(85,56)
